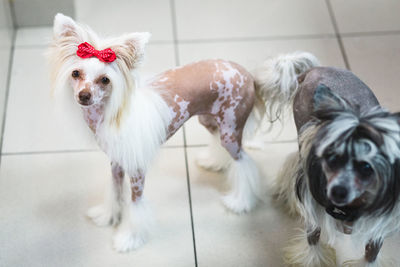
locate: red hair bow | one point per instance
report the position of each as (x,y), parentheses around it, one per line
(85,50)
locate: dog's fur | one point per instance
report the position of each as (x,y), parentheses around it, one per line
(130,123)
(346,175)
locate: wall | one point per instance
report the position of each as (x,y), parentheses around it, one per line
(6,42)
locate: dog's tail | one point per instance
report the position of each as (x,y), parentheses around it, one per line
(277,81)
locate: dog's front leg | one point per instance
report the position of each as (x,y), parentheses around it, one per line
(136,219)
(109,212)
(307,250)
(371,258)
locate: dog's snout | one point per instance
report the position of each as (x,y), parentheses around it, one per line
(339,194)
(85,96)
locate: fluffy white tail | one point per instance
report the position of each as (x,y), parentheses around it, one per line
(276,80)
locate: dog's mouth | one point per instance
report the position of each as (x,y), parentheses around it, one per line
(85,103)
(355,203)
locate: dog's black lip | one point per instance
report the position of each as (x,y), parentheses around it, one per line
(85,104)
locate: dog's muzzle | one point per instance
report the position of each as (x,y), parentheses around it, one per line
(85,97)
(339,194)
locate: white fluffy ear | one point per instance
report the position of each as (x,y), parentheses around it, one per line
(64,26)
(130,48)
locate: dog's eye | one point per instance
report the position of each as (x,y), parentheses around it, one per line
(105,80)
(364,169)
(75,73)
(334,161)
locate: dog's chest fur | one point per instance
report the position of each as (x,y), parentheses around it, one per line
(342,82)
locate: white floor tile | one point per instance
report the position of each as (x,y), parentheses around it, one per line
(43,208)
(226,239)
(212,19)
(251,54)
(367,15)
(375,60)
(116,17)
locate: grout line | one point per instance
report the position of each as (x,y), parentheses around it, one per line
(37,46)
(190,194)
(8,83)
(257,38)
(13,16)
(337,33)
(175,32)
(247,39)
(374,33)
(98,150)
(177,63)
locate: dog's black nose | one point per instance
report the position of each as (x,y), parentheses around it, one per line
(339,193)
(84,96)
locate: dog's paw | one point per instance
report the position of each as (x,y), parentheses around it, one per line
(355,263)
(209,164)
(300,253)
(238,205)
(254,144)
(379,262)
(103,216)
(125,241)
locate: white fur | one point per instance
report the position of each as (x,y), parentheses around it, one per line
(381,261)
(142,132)
(109,212)
(276,80)
(300,253)
(283,188)
(135,226)
(245,182)
(214,157)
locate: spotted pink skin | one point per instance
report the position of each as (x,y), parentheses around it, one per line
(221,92)
(118,179)
(93,115)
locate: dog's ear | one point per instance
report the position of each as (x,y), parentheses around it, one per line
(130,48)
(324,98)
(65,27)
(327,105)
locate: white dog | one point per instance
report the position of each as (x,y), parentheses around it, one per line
(131,123)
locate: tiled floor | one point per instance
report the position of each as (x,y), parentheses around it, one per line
(51,170)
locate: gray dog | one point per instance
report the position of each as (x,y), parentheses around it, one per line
(346,175)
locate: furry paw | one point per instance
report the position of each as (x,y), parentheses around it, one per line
(355,263)
(102,216)
(254,144)
(300,253)
(125,240)
(379,262)
(239,205)
(210,163)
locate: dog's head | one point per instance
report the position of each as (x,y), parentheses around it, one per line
(92,80)
(353,162)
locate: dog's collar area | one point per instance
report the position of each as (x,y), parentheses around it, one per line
(343,213)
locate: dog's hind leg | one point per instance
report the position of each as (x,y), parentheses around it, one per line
(214,157)
(136,218)
(242,173)
(307,250)
(109,212)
